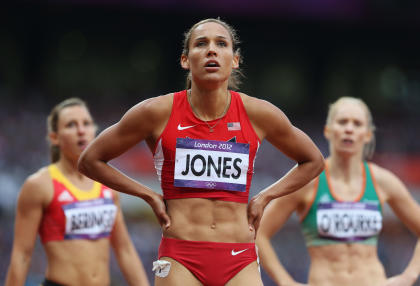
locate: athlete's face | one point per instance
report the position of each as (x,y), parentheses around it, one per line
(211,57)
(75,130)
(348,130)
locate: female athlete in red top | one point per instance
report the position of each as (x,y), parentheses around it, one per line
(204,141)
(77,219)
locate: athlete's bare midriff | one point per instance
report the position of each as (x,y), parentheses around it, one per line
(78,262)
(202,219)
(345,265)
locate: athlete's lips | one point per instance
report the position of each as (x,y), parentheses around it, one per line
(82,143)
(347,141)
(212,64)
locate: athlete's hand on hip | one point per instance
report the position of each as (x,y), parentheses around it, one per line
(158,205)
(255,211)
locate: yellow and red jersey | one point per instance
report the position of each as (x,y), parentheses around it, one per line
(77,214)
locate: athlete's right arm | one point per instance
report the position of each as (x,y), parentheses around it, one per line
(144,121)
(275,215)
(31,201)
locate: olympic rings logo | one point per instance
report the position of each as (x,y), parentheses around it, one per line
(211,185)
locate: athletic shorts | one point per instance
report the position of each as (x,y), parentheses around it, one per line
(213,263)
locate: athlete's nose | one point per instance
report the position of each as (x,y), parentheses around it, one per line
(81,129)
(212,49)
(349,128)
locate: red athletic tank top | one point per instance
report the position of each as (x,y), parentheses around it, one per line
(193,161)
(77,214)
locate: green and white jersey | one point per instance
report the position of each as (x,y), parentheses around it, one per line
(330,220)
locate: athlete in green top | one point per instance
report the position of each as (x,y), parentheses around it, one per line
(341,210)
(332,220)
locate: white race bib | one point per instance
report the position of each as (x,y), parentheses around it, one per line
(211,164)
(348,221)
(90,219)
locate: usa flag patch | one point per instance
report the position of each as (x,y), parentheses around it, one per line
(234,126)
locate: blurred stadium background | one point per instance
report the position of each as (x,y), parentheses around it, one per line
(300,55)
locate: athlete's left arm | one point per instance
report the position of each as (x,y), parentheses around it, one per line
(125,252)
(394,192)
(272,124)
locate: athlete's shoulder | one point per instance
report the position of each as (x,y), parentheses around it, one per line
(38,186)
(39,178)
(151,111)
(257,105)
(381,174)
(260,112)
(386,180)
(251,101)
(156,104)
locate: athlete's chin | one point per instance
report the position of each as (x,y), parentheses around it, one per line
(215,75)
(347,152)
(213,81)
(78,151)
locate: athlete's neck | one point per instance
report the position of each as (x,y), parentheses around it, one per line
(344,168)
(209,104)
(69,168)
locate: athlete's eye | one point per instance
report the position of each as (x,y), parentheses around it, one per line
(222,44)
(358,123)
(88,123)
(71,124)
(200,43)
(342,121)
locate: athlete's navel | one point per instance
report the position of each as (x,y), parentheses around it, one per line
(213,226)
